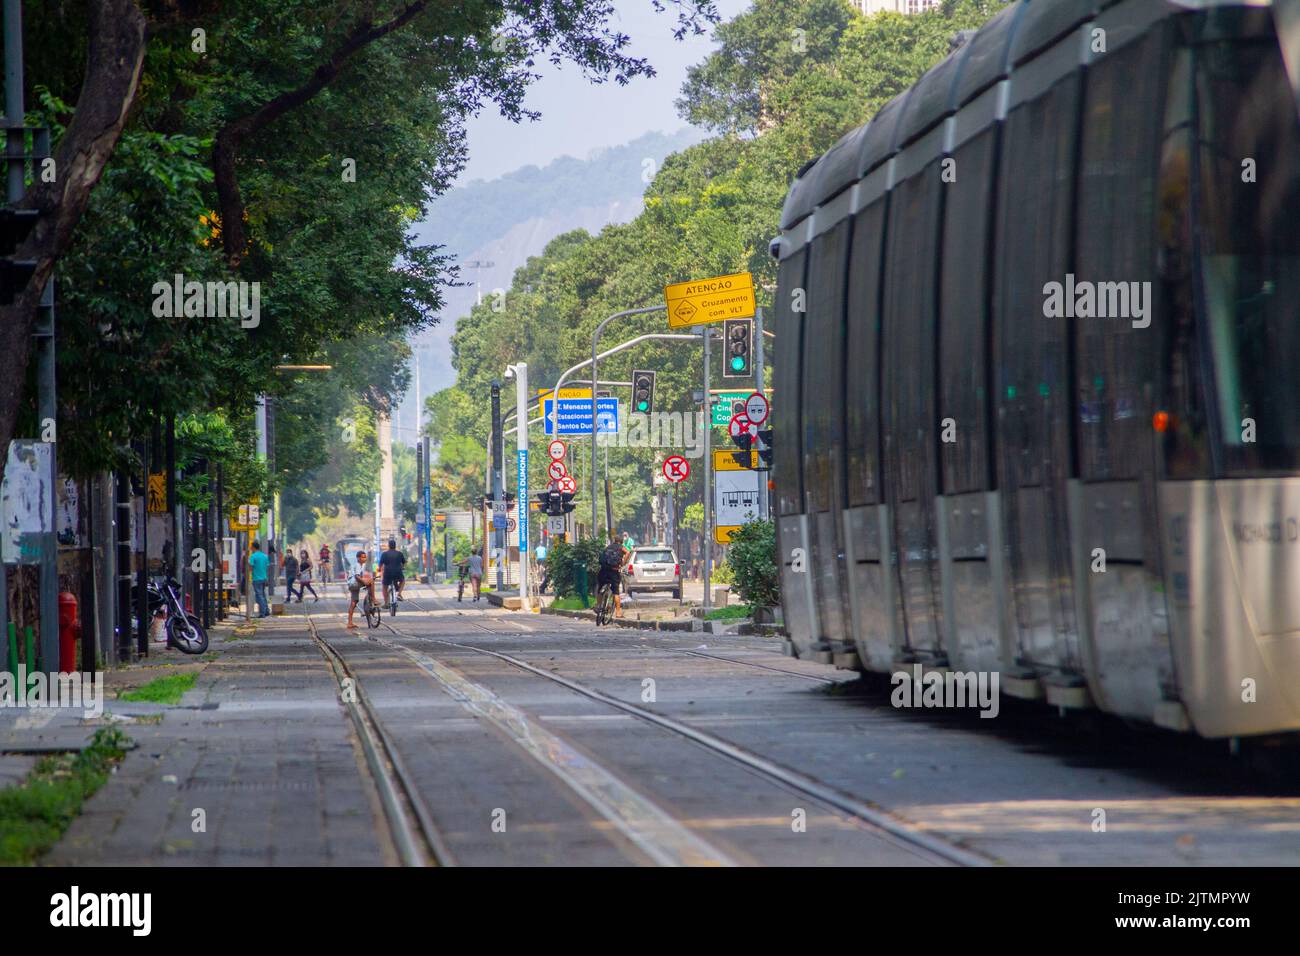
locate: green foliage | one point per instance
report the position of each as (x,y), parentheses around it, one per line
(711,209)
(732,612)
(721,573)
(34,813)
(162,690)
(752,556)
(568,562)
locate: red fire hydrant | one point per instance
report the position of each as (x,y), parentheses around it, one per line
(69,632)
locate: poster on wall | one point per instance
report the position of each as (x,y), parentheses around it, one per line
(69,520)
(26,509)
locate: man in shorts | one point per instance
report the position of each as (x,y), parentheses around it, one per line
(611,568)
(391,565)
(360,577)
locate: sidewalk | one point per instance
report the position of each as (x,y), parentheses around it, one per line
(260,750)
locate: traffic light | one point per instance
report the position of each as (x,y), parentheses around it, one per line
(544,502)
(737,348)
(765,453)
(744,441)
(566,502)
(643,391)
(15,224)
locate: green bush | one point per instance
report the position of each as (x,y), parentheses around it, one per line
(721,573)
(568,562)
(753,564)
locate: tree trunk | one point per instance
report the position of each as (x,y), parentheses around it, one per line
(116,32)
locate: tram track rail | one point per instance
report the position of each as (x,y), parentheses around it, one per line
(885,826)
(415,835)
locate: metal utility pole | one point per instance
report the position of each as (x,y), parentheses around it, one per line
(758,387)
(521,478)
(708,476)
(43,334)
(595,338)
(498,534)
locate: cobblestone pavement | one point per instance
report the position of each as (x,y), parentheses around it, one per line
(515,769)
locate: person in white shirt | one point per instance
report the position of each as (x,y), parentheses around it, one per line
(476,573)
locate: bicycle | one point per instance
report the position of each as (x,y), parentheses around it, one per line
(374,613)
(604,600)
(460,588)
(390,599)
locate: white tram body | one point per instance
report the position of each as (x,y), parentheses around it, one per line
(1039,413)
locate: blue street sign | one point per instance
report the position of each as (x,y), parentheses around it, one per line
(573,417)
(521,499)
(498,522)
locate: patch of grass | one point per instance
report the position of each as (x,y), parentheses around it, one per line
(570,603)
(732,612)
(162,690)
(34,813)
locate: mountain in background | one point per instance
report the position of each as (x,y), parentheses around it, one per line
(492,227)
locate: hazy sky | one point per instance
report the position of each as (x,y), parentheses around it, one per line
(579,116)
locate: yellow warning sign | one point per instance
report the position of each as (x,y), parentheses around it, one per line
(722,535)
(701,301)
(156,499)
(543,394)
(723,460)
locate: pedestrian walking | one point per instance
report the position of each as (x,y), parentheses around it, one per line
(290,574)
(305,575)
(476,573)
(257,564)
(546,571)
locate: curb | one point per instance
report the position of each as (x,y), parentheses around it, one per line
(623,622)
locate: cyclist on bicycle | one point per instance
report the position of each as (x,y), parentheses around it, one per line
(391,563)
(611,563)
(360,577)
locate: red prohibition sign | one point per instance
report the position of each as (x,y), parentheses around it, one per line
(557,449)
(567,484)
(676,468)
(739,425)
(557,470)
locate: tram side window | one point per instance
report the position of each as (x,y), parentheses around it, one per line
(1250,251)
(822,363)
(963,316)
(1118,352)
(1030,351)
(861,389)
(788,463)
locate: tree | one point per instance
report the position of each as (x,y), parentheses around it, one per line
(284,93)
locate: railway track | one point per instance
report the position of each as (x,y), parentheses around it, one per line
(883,825)
(410,823)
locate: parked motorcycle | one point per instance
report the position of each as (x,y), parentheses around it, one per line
(184,632)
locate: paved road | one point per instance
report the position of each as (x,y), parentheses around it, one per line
(512,766)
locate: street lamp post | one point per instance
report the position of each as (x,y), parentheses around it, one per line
(595,338)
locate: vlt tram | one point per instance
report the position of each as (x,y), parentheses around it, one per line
(1039,321)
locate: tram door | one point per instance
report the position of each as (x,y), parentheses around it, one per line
(1032,384)
(909,408)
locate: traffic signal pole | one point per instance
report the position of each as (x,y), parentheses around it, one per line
(521,491)
(498,534)
(707,332)
(595,338)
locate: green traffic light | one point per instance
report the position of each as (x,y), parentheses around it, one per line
(642,406)
(738,363)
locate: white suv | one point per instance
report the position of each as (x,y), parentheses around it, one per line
(653,567)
